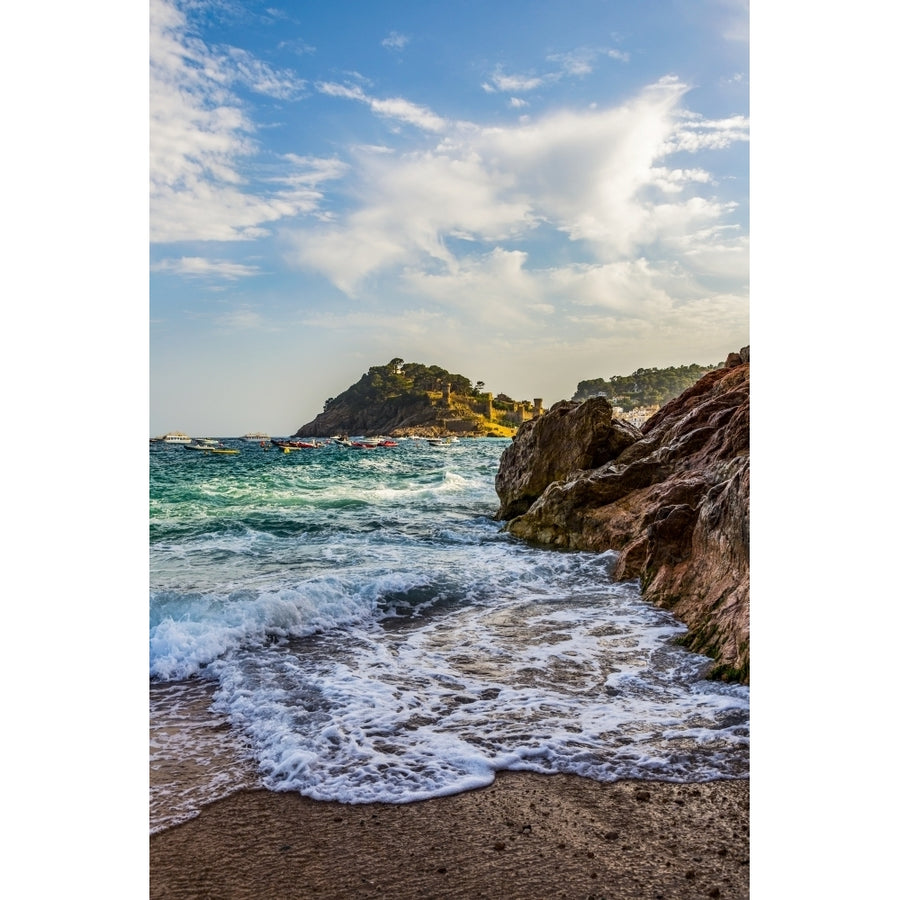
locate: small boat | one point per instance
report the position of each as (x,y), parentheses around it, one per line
(176,437)
(388,443)
(298,445)
(363,445)
(210,445)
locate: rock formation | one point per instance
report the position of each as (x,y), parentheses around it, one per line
(570,437)
(672,498)
(403,398)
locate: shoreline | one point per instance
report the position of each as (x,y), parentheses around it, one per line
(524,836)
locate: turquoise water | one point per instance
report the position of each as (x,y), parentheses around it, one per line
(355,626)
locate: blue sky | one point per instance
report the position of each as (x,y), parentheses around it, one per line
(528,193)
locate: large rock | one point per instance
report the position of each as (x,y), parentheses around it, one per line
(674,503)
(568,438)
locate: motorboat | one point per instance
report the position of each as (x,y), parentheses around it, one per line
(203,444)
(176,437)
(212,447)
(287,446)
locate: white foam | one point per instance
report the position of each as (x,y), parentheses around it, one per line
(381,715)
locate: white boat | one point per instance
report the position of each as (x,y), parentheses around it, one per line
(176,437)
(256,437)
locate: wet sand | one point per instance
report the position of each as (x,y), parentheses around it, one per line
(526,836)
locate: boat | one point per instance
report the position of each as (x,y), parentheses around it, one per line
(255,437)
(228,451)
(388,443)
(298,445)
(287,446)
(210,445)
(176,437)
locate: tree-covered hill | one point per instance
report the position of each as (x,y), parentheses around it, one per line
(644,387)
(405,397)
(402,379)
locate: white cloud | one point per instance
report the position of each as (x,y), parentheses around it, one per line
(297,46)
(261,77)
(630,289)
(200,267)
(398,108)
(596,176)
(574,64)
(392,108)
(696,134)
(509,83)
(581,61)
(493,289)
(201,137)
(414,204)
(395,41)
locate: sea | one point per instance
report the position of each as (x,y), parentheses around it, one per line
(354,625)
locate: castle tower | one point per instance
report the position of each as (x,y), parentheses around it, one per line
(446,397)
(538,407)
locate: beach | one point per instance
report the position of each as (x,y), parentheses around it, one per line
(524,836)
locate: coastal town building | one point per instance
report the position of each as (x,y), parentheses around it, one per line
(636,416)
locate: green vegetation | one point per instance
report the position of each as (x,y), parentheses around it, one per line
(404,397)
(644,387)
(403,379)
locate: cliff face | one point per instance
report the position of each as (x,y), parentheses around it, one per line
(672,498)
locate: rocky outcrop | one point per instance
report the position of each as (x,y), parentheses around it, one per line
(673,499)
(570,437)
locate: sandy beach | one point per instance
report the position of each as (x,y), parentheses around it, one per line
(525,836)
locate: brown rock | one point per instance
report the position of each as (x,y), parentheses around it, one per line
(674,502)
(568,438)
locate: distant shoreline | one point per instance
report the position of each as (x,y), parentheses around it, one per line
(524,836)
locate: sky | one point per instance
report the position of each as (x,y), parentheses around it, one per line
(528,193)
